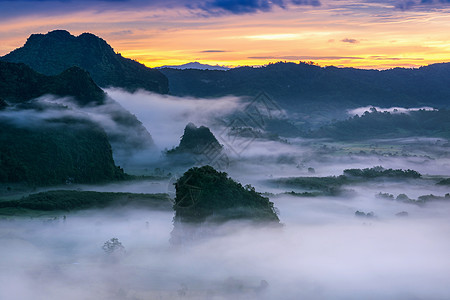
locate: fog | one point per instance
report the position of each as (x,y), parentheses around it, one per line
(166,116)
(396,110)
(322,251)
(130,141)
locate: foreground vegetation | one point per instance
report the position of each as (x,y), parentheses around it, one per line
(66,200)
(206,194)
(332,185)
(57,152)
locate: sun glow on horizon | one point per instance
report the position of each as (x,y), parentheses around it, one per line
(370,35)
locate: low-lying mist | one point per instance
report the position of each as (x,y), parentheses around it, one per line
(396,110)
(166,116)
(396,250)
(322,252)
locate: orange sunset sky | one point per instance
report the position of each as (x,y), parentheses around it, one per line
(366,34)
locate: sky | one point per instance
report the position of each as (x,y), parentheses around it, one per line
(376,34)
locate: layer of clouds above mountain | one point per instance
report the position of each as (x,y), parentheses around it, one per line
(210,7)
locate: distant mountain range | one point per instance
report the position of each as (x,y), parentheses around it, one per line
(78,149)
(196,66)
(58,50)
(296,87)
(305,87)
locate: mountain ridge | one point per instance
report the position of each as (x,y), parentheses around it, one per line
(195,65)
(58,50)
(292,84)
(19,83)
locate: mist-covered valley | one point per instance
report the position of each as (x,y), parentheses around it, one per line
(118,181)
(342,237)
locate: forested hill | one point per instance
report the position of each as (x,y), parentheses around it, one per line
(58,50)
(377,125)
(58,151)
(195,140)
(40,146)
(19,83)
(292,84)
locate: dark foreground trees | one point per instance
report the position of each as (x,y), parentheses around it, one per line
(206,194)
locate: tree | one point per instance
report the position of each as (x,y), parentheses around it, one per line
(113,246)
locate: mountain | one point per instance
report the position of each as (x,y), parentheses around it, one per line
(3,104)
(379,125)
(19,83)
(198,145)
(57,151)
(303,88)
(195,140)
(204,194)
(197,66)
(58,50)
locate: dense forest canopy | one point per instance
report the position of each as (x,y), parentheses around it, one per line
(20,83)
(195,140)
(375,124)
(205,194)
(305,86)
(68,200)
(59,151)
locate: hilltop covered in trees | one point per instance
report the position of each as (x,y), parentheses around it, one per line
(204,194)
(20,83)
(62,200)
(38,147)
(379,171)
(3,104)
(333,185)
(376,124)
(195,140)
(292,84)
(56,152)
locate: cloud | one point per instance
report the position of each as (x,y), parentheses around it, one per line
(377,57)
(128,137)
(155,111)
(323,252)
(307,2)
(211,7)
(213,51)
(395,110)
(418,5)
(123,32)
(351,41)
(238,6)
(408,4)
(305,57)
(277,36)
